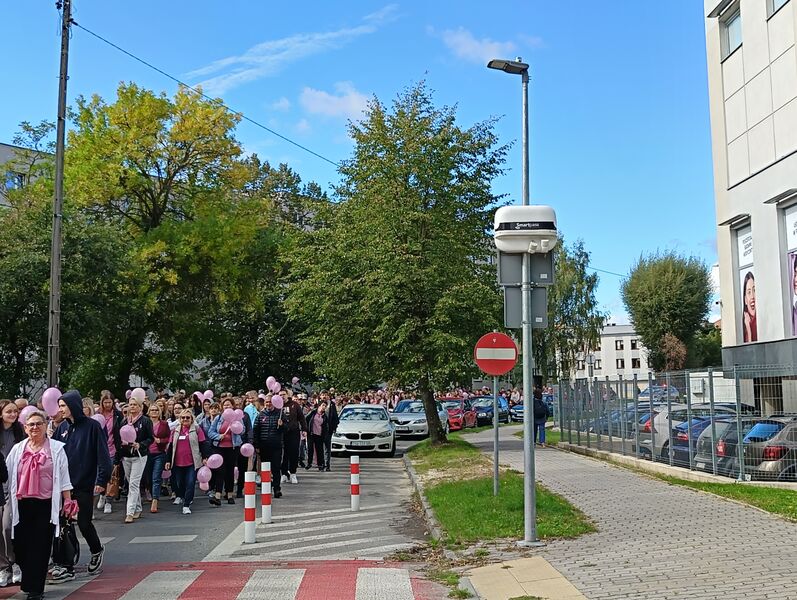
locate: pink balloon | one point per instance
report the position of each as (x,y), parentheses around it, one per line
(203,485)
(239,415)
(270,381)
(277,401)
(208,394)
(215,461)
(235,473)
(128,393)
(50,400)
(25,413)
(139,394)
(100,419)
(166,474)
(237,427)
(203,475)
(276,387)
(247,450)
(128,434)
(295,380)
(199,395)
(228,415)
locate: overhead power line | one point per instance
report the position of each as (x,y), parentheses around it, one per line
(203,95)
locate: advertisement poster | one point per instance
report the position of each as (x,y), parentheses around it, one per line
(749,316)
(793,290)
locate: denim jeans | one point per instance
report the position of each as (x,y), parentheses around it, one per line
(153,473)
(539,430)
(184,482)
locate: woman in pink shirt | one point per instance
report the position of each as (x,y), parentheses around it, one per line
(38,479)
(156,457)
(188,453)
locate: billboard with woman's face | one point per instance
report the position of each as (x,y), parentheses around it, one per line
(749,320)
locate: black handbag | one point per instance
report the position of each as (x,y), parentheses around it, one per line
(66,549)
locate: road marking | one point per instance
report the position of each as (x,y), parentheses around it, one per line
(379,552)
(327,512)
(162,585)
(62,590)
(274,584)
(281,532)
(156,539)
(340,544)
(376,584)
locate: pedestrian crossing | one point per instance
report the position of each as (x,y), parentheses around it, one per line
(249,581)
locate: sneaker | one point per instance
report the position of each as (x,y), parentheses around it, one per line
(308,467)
(101,503)
(5,578)
(62,575)
(186,510)
(277,494)
(95,562)
(326,468)
(129,519)
(177,501)
(293,478)
(16,573)
(230,500)
(107,509)
(137,514)
(284,479)
(215,501)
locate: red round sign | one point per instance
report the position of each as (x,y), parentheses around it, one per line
(495,353)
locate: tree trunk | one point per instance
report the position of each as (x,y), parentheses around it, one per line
(437,434)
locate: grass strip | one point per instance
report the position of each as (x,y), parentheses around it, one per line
(552,437)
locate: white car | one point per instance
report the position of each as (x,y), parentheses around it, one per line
(409,418)
(364,428)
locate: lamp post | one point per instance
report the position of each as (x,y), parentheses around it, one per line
(517,67)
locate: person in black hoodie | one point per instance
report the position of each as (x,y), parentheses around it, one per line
(294,424)
(86,447)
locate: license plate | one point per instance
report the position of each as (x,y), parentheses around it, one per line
(361,443)
(402,429)
(700,465)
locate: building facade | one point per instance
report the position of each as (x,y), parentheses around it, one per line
(619,353)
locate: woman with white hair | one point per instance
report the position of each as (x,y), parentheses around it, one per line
(134,456)
(188,453)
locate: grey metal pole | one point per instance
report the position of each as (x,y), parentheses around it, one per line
(689,417)
(54,326)
(669,416)
(495,436)
(739,438)
(636,415)
(609,413)
(650,411)
(621,390)
(713,421)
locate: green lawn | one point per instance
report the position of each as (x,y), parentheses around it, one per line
(426,458)
(551,437)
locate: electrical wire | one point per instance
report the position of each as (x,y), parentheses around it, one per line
(203,95)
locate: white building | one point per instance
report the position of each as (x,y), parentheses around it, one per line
(752,82)
(619,352)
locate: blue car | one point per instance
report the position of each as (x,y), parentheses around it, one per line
(483,405)
(682,441)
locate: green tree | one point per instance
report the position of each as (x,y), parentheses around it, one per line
(667,294)
(705,349)
(574,319)
(398,284)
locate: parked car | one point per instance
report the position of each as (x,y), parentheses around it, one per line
(725,447)
(685,438)
(516,412)
(660,392)
(409,418)
(484,410)
(770,449)
(364,428)
(460,413)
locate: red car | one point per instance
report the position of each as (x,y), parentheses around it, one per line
(460,413)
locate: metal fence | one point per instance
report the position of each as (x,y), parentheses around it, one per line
(739,422)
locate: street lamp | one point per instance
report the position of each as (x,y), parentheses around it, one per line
(518,67)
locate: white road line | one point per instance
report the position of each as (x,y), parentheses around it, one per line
(60,591)
(162,585)
(313,547)
(228,545)
(157,539)
(379,552)
(325,512)
(294,532)
(274,584)
(376,584)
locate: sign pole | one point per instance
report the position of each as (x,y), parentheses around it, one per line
(495,436)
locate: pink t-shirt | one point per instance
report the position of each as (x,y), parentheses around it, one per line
(318,424)
(109,421)
(182,453)
(226,441)
(35,475)
(161,431)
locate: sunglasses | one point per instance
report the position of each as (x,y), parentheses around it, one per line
(36,424)
(185,418)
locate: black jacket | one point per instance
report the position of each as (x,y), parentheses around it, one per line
(247,436)
(293,417)
(334,420)
(325,432)
(267,431)
(144,436)
(86,446)
(540,410)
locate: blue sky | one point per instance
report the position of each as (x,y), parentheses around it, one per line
(620,142)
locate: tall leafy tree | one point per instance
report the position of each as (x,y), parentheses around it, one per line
(398,283)
(667,294)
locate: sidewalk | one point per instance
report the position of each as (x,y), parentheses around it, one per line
(655,540)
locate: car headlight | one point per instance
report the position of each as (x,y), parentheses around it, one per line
(384,434)
(419,421)
(338,435)
(481,414)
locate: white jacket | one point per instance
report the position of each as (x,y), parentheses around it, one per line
(61,481)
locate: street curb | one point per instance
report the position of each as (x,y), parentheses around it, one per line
(428,513)
(464,583)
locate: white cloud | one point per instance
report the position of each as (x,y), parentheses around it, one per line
(462,43)
(303,126)
(348,102)
(268,58)
(281,104)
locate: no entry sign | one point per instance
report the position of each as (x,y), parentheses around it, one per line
(495,353)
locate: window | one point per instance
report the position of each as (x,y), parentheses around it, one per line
(580,365)
(618,344)
(598,366)
(774,6)
(14,181)
(634,345)
(598,347)
(635,363)
(621,363)
(731,27)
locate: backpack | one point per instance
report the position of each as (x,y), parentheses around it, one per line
(540,410)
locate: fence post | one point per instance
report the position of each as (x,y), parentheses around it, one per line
(598,420)
(636,415)
(739,429)
(650,411)
(669,416)
(249,507)
(571,405)
(622,392)
(713,423)
(265,492)
(689,417)
(355,481)
(579,406)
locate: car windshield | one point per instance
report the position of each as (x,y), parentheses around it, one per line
(409,406)
(484,402)
(363,414)
(761,432)
(451,403)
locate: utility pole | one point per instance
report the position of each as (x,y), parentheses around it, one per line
(54,329)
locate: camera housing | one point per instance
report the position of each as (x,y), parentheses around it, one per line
(530,229)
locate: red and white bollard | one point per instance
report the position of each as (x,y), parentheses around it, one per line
(265,492)
(250,490)
(355,483)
